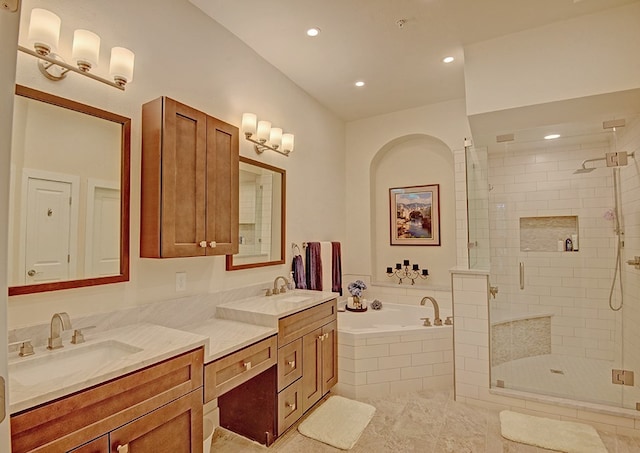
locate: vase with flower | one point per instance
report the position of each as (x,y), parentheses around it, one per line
(356,302)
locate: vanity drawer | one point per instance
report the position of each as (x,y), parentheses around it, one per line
(289,406)
(230,371)
(299,324)
(289,363)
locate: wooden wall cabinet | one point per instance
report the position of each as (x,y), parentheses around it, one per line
(158,408)
(189,188)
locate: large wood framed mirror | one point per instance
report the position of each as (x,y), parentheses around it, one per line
(69,195)
(261,216)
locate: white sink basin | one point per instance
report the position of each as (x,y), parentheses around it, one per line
(294,299)
(73,359)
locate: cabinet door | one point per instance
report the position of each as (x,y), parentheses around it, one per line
(329,356)
(222,188)
(175,427)
(183,180)
(311,368)
(100,445)
(174,143)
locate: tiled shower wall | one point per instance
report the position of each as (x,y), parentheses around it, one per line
(538,181)
(630,196)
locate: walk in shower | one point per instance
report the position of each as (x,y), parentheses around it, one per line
(557,223)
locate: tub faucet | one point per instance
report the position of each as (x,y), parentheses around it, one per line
(283,288)
(59,322)
(437,321)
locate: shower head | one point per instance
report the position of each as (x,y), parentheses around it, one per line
(583,170)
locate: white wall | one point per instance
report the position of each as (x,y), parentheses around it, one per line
(446,123)
(587,55)
(414,162)
(183,54)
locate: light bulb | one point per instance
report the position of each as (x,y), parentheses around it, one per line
(121,66)
(264,130)
(86,49)
(44,31)
(249,123)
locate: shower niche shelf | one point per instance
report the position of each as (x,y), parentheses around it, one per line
(541,234)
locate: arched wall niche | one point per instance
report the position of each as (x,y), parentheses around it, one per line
(412,160)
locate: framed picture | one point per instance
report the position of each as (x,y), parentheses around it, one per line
(414,215)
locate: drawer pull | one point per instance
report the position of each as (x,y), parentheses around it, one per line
(291,406)
(123,448)
(247,366)
(323,337)
(292,363)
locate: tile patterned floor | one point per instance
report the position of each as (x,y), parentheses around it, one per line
(427,421)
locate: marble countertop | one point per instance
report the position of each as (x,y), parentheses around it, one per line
(155,344)
(226,336)
(499,316)
(237,324)
(267,310)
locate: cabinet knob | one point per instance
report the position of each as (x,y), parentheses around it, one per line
(203,244)
(291,406)
(247,366)
(31,272)
(123,448)
(292,363)
(213,244)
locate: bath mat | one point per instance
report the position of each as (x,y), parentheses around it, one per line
(338,422)
(556,435)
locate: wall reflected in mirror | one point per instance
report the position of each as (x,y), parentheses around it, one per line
(261,216)
(69,195)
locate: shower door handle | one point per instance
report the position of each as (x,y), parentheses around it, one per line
(521,275)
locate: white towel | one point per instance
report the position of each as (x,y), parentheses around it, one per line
(326,256)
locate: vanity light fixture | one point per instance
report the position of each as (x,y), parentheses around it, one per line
(44,32)
(265,137)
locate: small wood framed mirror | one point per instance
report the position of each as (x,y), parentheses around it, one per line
(261,216)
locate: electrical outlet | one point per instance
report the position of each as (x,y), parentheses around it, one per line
(181,281)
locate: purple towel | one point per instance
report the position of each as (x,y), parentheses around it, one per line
(314,266)
(297,266)
(336,268)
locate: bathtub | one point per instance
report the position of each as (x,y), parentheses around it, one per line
(390,351)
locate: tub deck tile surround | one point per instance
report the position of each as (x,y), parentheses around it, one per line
(393,362)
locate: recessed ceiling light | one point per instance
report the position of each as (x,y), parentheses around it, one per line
(315,31)
(447,59)
(359,83)
(551,136)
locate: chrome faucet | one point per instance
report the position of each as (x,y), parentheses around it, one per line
(437,321)
(283,288)
(59,322)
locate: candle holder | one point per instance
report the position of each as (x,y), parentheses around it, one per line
(407,271)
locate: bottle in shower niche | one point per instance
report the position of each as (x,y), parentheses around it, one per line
(568,245)
(574,241)
(560,245)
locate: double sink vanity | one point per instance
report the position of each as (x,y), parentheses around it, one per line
(262,361)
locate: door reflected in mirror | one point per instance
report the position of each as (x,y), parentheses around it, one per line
(69,195)
(261,216)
